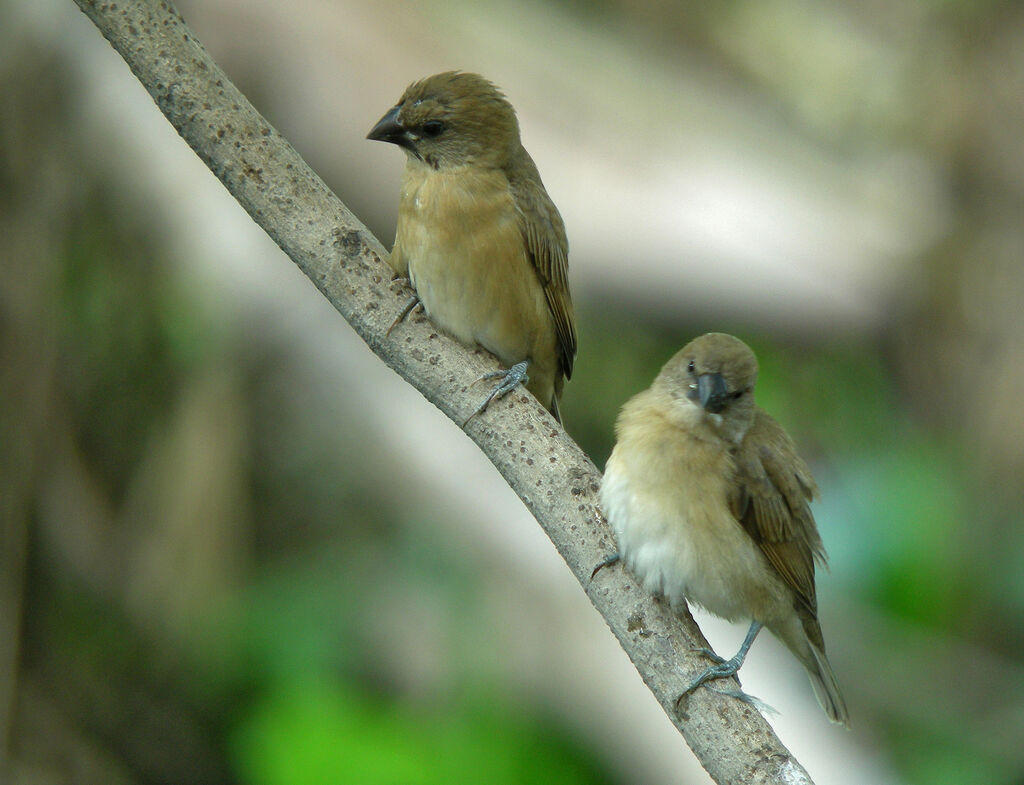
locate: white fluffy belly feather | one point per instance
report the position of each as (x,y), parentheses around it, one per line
(687,550)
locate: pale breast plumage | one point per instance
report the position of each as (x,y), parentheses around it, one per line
(671,544)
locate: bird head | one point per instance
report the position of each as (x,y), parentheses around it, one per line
(452,119)
(714,374)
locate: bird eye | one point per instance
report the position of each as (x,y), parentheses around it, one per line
(433,128)
(691,367)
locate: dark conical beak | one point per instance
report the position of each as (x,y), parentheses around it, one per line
(712,392)
(389,129)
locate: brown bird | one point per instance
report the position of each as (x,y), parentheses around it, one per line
(478,237)
(709,502)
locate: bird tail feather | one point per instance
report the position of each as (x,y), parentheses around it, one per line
(826,688)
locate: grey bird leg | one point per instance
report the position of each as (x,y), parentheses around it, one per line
(510,379)
(725,668)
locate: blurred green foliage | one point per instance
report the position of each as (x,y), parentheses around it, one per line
(308,731)
(130,332)
(945,759)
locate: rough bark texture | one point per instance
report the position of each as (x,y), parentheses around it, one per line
(545,467)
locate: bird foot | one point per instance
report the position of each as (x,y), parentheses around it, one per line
(613,559)
(510,379)
(408,308)
(722,669)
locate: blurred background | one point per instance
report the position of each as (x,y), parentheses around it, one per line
(237,549)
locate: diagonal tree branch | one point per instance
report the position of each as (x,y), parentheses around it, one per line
(545,467)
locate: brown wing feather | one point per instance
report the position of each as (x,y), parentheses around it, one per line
(544,234)
(773,491)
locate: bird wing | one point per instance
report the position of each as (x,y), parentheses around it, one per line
(546,243)
(771,500)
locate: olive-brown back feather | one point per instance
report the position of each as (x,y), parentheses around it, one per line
(773,490)
(546,243)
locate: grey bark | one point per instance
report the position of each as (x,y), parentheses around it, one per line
(545,467)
